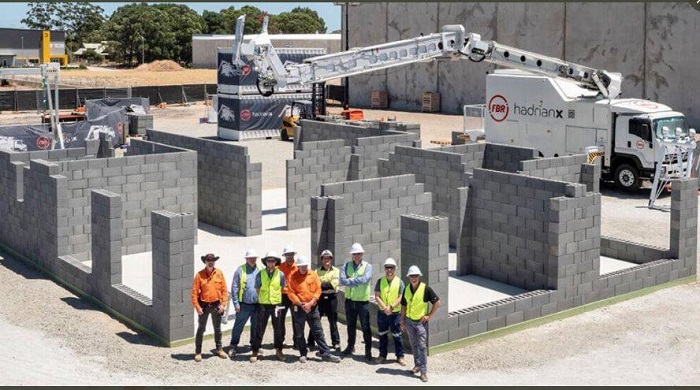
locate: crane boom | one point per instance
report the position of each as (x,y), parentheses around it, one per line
(451,43)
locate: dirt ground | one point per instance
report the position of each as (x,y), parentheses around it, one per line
(651,340)
(117,78)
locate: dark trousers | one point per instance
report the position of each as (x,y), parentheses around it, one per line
(208,308)
(328,306)
(300,318)
(387,324)
(354,309)
(264,313)
(248,311)
(287,305)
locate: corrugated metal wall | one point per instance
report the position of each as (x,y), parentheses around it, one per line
(652,44)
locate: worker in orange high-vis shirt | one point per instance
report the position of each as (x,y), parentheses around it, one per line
(209,296)
(304,291)
(287,267)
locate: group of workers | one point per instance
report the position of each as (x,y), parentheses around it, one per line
(259,294)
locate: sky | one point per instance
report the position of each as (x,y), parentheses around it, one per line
(12,13)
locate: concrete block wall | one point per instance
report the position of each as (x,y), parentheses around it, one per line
(684,223)
(366,211)
(229,187)
(510,240)
(441,171)
(150,177)
(424,243)
(316,163)
(638,253)
(565,168)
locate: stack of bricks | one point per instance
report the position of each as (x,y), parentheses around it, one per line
(424,244)
(139,123)
(316,163)
(229,186)
(366,211)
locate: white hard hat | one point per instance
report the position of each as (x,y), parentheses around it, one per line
(251,253)
(288,249)
(271,254)
(414,270)
(356,248)
(327,253)
(303,261)
(390,262)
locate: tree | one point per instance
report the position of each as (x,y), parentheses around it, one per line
(214,22)
(183,22)
(139,26)
(299,21)
(253,19)
(78,19)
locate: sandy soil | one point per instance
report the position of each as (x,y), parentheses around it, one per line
(132,77)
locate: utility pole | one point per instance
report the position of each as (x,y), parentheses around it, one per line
(23,56)
(142,49)
(346,35)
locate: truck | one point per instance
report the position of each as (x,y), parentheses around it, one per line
(555,106)
(12,144)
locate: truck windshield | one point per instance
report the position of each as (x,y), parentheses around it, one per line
(671,123)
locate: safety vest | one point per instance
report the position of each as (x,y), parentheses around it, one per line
(357,293)
(270,289)
(241,285)
(415,307)
(390,292)
(331,276)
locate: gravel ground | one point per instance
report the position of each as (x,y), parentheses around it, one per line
(75,343)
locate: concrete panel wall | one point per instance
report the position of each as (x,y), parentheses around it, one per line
(365,211)
(608,36)
(406,84)
(464,82)
(671,76)
(229,188)
(647,42)
(372,16)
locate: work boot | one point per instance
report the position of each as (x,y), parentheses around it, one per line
(336,347)
(220,353)
(368,357)
(330,358)
(423,377)
(416,369)
(254,357)
(232,352)
(302,359)
(280,356)
(379,360)
(348,351)
(401,361)
(198,357)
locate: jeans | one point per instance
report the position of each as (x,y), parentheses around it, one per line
(264,313)
(287,305)
(248,312)
(328,306)
(389,323)
(418,335)
(300,318)
(208,308)
(354,309)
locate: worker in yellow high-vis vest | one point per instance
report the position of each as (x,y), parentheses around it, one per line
(387,293)
(356,276)
(269,284)
(415,316)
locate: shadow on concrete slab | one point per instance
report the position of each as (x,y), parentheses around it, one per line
(280,210)
(80,304)
(137,338)
(216,230)
(396,371)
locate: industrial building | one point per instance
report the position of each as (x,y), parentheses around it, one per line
(204,46)
(20,46)
(649,43)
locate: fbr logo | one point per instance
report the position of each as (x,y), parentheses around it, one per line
(246,70)
(498,108)
(245,115)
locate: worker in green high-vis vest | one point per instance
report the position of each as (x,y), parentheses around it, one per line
(415,316)
(356,276)
(269,284)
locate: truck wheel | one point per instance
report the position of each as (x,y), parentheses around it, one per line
(284,135)
(627,178)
